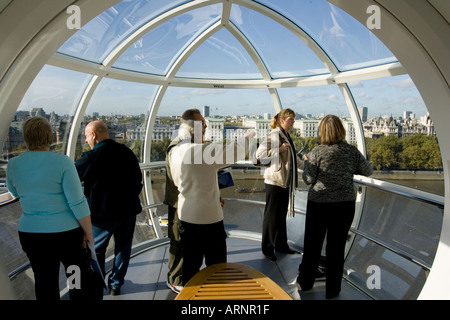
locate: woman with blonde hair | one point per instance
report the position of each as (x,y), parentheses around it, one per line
(329,170)
(55,221)
(280,178)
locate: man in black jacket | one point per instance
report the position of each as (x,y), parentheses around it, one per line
(112,184)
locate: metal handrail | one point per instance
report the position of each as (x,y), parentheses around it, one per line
(406,194)
(13,274)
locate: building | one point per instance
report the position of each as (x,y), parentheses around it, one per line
(159,133)
(350,134)
(233,133)
(215,129)
(363,113)
(307,127)
(408,115)
(381,126)
(206,111)
(261,127)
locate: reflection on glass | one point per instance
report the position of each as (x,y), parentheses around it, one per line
(220,57)
(95,40)
(284,54)
(346,41)
(157,50)
(400,279)
(410,225)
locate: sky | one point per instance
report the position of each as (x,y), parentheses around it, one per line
(347,42)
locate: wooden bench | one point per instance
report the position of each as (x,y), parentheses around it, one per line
(231,281)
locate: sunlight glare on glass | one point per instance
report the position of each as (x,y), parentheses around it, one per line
(95,40)
(221,56)
(346,41)
(282,51)
(158,49)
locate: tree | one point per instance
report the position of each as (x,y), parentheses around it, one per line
(421,152)
(307,144)
(158,149)
(413,152)
(384,152)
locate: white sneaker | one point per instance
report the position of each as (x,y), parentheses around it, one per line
(175,289)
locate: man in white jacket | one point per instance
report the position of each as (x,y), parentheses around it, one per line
(194,165)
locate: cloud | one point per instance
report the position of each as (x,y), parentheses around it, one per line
(332,97)
(303,95)
(205,92)
(356,84)
(406,83)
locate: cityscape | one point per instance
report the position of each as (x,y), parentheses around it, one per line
(132,128)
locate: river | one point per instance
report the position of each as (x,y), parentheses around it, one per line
(252,183)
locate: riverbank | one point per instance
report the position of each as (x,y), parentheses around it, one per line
(408,175)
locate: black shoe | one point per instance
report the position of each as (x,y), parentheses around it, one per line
(270,256)
(299,286)
(332,295)
(321,274)
(297,282)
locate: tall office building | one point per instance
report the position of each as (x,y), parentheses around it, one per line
(205,111)
(363,113)
(408,115)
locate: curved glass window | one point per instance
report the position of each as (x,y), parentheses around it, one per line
(221,56)
(284,54)
(346,41)
(389,96)
(54,94)
(124,107)
(157,50)
(221,102)
(399,133)
(55,90)
(95,40)
(314,102)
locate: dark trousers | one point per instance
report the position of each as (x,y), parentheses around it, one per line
(274,234)
(175,249)
(202,241)
(332,220)
(46,251)
(123,231)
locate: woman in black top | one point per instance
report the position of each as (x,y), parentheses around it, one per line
(329,170)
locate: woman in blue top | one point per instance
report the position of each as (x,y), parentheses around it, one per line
(55,222)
